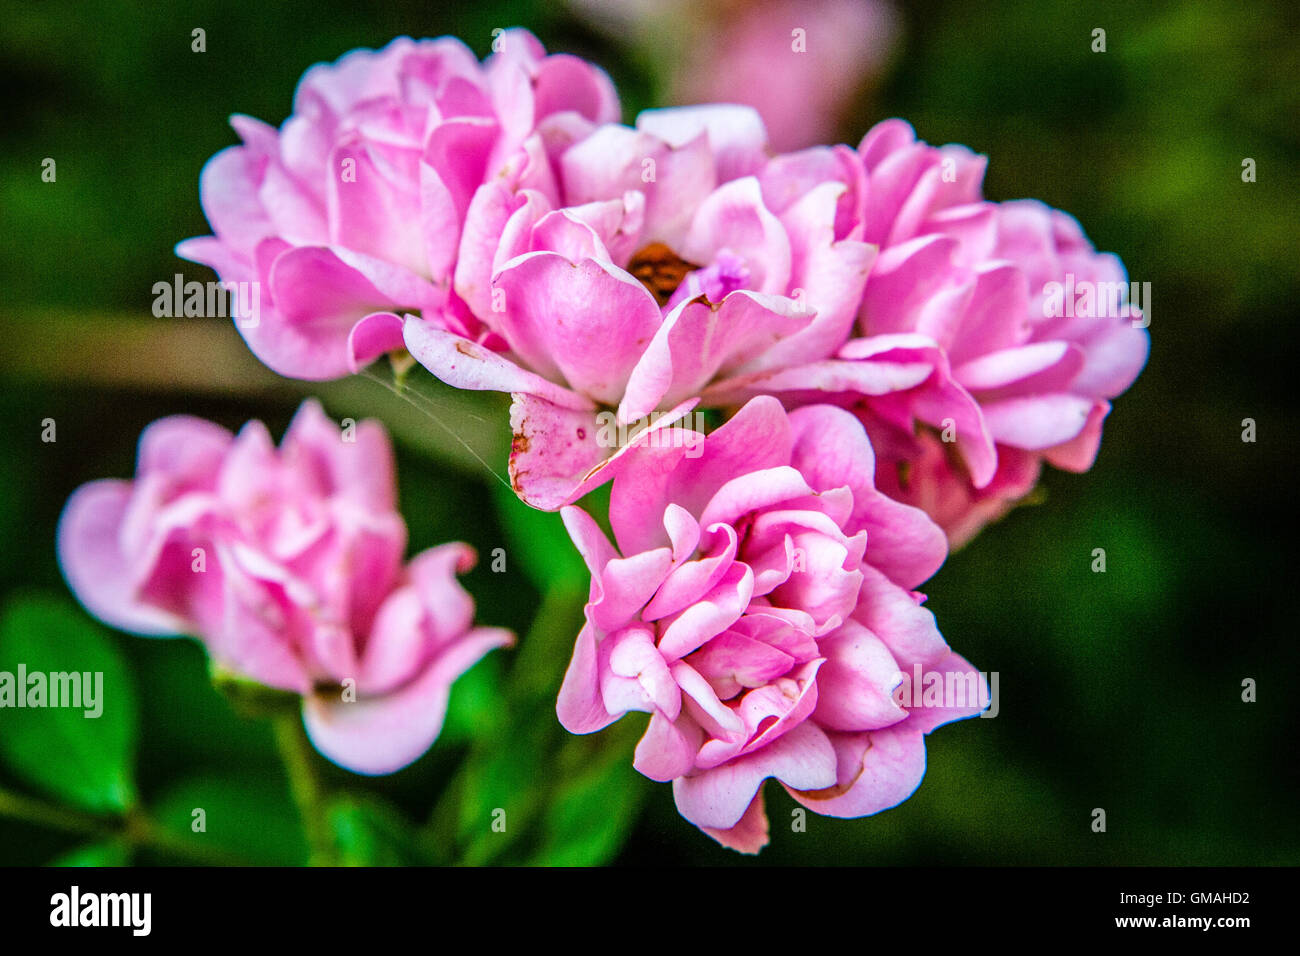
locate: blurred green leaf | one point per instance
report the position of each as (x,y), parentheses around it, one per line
(107,853)
(538,664)
(248,698)
(211,731)
(532,792)
(368,832)
(539,543)
(500,792)
(245,816)
(589,818)
(474,710)
(499,788)
(80,758)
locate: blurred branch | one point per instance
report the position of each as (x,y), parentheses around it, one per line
(297,753)
(135,828)
(207,357)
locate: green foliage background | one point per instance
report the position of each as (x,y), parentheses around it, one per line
(1119,690)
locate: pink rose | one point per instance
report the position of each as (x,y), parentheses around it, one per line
(757,605)
(971,370)
(355,206)
(670,262)
(287,564)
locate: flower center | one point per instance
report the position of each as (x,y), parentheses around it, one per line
(660,270)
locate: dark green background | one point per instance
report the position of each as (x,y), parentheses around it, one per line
(1119,690)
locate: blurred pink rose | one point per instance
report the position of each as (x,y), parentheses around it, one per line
(287,564)
(354,207)
(758,607)
(800,63)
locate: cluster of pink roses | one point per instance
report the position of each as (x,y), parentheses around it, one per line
(872,333)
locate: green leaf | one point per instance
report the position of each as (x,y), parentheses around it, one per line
(194,723)
(84,759)
(248,818)
(107,853)
(369,832)
(538,542)
(474,710)
(500,791)
(595,809)
(248,698)
(491,808)
(543,654)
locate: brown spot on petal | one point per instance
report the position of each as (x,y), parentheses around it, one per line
(839,788)
(517,477)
